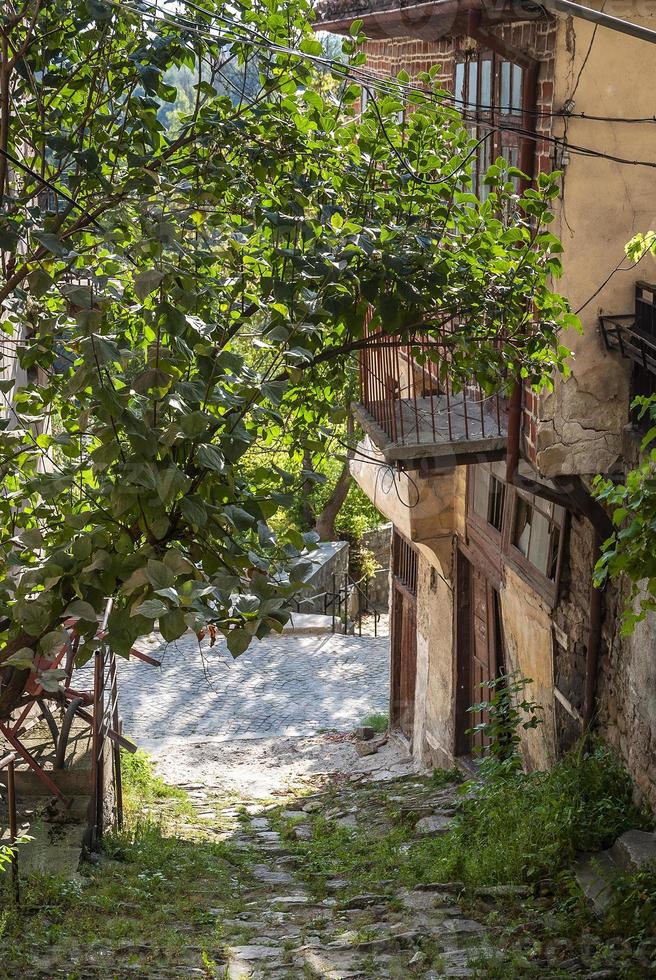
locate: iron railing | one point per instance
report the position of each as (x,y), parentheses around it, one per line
(633,335)
(338,600)
(406,388)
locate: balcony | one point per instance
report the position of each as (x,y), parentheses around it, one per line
(633,335)
(414,417)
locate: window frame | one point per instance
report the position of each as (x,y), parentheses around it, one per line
(548,588)
(498,547)
(503,143)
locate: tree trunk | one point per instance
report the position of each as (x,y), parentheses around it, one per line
(307,513)
(325,523)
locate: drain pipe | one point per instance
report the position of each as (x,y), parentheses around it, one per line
(594,643)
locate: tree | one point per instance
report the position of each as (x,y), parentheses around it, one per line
(175,297)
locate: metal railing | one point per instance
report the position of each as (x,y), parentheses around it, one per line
(8,762)
(336,602)
(406,387)
(633,335)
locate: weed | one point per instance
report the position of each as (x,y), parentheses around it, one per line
(379,722)
(142,786)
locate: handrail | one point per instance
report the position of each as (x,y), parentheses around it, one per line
(336,597)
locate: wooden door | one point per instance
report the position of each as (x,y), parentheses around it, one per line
(484,649)
(403,635)
(480,651)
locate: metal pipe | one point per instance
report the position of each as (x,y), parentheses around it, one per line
(602,19)
(594,643)
(13,828)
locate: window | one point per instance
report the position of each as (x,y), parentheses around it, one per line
(510,526)
(536,532)
(488,496)
(489,92)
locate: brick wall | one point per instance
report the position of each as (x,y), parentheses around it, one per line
(391,55)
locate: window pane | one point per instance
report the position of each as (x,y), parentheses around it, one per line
(460,82)
(472,84)
(517,88)
(481,491)
(496,499)
(505,87)
(522,533)
(540,547)
(486,84)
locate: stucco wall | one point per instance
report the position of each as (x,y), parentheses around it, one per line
(603,204)
(435,690)
(426,510)
(528,648)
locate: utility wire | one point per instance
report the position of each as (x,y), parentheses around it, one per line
(361,75)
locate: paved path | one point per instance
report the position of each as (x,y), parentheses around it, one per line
(283,686)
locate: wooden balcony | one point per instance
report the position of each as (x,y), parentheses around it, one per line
(411,412)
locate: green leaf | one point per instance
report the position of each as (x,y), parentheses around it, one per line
(159,575)
(79,609)
(172,625)
(147,282)
(22,659)
(51,243)
(193,510)
(238,641)
(151,609)
(210,457)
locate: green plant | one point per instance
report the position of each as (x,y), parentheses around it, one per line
(178,298)
(379,722)
(362,564)
(506,713)
(142,785)
(629,550)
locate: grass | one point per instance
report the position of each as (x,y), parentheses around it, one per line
(142,786)
(379,723)
(517,828)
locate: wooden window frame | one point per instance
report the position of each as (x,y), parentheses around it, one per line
(487,547)
(546,587)
(492,112)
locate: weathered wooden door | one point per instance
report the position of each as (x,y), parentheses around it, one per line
(485,648)
(403,635)
(480,649)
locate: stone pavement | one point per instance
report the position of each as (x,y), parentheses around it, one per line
(283,686)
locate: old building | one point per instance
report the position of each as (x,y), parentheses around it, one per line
(496,534)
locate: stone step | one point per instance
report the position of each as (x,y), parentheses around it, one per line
(595,873)
(635,849)
(310,624)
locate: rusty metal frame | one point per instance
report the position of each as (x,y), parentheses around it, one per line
(9,763)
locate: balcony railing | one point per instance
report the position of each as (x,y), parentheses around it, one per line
(633,335)
(411,411)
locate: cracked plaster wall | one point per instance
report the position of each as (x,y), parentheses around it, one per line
(603,204)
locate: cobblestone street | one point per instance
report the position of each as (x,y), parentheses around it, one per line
(289,685)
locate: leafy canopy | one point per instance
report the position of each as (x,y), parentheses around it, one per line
(173,298)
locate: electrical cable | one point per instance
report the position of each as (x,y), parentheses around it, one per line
(363,76)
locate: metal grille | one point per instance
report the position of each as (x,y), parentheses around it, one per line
(407,390)
(405,563)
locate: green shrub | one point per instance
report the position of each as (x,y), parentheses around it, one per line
(522,827)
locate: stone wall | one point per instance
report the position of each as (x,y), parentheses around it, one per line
(379,542)
(434,723)
(330,558)
(627,694)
